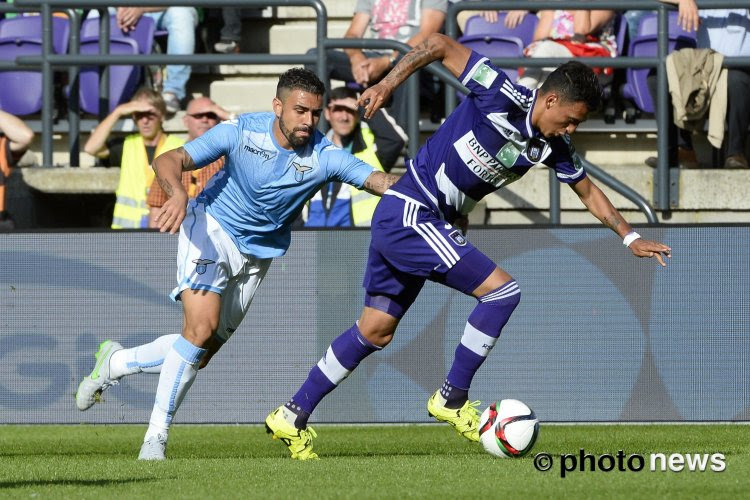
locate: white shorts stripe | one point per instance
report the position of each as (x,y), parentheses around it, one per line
(476,341)
(439,237)
(390,192)
(331,367)
(440,252)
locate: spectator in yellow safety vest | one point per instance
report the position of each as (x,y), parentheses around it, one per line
(378,142)
(133,154)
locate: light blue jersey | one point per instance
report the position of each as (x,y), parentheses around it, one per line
(262,188)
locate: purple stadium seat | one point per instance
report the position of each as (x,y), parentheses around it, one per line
(22,36)
(645,45)
(495,40)
(143,34)
(21,90)
(477,25)
(123,80)
(30,28)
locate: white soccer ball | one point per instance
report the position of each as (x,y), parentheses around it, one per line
(508,428)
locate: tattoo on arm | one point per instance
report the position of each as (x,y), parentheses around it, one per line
(379,182)
(177,155)
(187,161)
(418,57)
(166,186)
(613,221)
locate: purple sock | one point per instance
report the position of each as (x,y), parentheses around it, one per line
(482,331)
(342,357)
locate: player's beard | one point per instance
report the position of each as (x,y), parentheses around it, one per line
(295,141)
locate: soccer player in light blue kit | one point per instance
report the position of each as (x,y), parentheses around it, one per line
(492,139)
(275,162)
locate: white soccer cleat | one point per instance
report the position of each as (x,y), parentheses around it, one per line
(91,388)
(154,448)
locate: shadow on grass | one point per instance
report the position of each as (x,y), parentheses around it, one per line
(71,482)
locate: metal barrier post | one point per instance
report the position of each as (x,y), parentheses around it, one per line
(554,198)
(661,176)
(74,100)
(47,89)
(103,70)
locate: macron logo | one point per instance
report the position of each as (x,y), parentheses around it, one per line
(260,152)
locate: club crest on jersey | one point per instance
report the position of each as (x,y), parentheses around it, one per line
(457,238)
(201,265)
(535,149)
(299,171)
(484,76)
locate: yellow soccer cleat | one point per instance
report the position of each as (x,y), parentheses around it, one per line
(465,419)
(299,441)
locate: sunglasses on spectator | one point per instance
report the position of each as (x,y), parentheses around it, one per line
(151,116)
(208,114)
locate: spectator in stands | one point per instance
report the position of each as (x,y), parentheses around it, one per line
(202,114)
(133,154)
(727,31)
(687,16)
(180,23)
(231,31)
(570,33)
(680,151)
(378,142)
(408,21)
(15,138)
(512,19)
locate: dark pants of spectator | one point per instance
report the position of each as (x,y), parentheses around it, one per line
(231,31)
(340,68)
(738,110)
(676,137)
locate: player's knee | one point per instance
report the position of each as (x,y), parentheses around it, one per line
(378,334)
(199,334)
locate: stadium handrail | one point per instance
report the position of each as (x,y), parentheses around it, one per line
(665,181)
(48,59)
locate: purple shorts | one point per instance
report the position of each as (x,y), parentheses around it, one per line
(410,244)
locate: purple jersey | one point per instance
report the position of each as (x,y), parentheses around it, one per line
(485,144)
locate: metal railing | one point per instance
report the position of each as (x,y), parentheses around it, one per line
(48,59)
(665,179)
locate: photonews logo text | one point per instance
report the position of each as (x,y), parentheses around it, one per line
(634,462)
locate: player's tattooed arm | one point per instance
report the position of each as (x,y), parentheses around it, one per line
(379,182)
(168,168)
(436,47)
(600,206)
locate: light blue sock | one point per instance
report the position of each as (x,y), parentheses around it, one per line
(146,358)
(177,375)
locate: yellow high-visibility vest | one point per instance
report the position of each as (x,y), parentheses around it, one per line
(364,203)
(136,175)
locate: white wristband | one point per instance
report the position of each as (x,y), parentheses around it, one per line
(630,238)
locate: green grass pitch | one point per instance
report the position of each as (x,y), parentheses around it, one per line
(423,461)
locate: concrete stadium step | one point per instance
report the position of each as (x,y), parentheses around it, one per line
(298,37)
(334,9)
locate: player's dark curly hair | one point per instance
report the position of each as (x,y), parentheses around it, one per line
(300,79)
(575,82)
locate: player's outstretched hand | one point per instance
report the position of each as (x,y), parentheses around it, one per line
(373,98)
(646,248)
(172,213)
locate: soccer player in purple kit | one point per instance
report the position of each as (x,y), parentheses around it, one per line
(418,230)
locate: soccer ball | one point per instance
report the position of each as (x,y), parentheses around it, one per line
(508,428)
